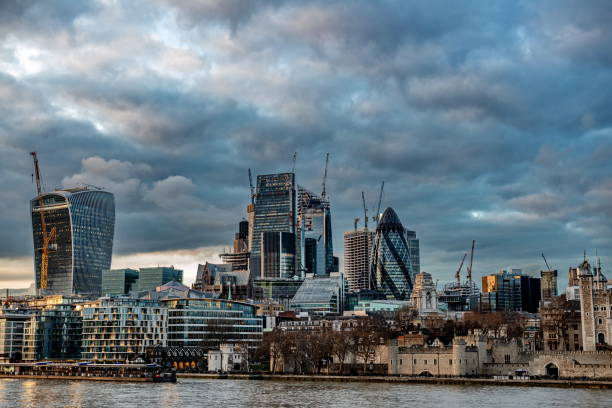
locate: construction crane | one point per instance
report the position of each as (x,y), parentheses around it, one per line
(365,211)
(325,175)
(356,221)
(47,237)
(469,271)
(294,160)
(547,267)
(252,188)
(380,196)
(458,273)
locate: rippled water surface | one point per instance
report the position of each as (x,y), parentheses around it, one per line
(232,393)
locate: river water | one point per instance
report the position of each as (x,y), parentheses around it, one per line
(188,393)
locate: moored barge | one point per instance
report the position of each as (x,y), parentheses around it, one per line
(88,371)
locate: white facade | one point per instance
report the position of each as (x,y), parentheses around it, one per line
(227,358)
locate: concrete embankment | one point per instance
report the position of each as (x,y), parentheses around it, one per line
(408,380)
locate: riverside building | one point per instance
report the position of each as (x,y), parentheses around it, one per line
(80,224)
(120,329)
(208,323)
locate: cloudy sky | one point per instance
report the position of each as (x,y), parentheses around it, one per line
(488,120)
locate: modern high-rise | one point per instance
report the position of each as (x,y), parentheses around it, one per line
(277,254)
(415,253)
(119,281)
(275,210)
(150,278)
(357,249)
(314,222)
(510,291)
(390,264)
(80,225)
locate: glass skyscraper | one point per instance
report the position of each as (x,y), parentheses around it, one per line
(391,266)
(83,221)
(314,221)
(274,211)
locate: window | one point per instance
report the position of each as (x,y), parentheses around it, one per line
(435,362)
(450,362)
(400,361)
(507,358)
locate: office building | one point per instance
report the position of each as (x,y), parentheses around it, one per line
(314,226)
(415,253)
(208,323)
(80,224)
(320,295)
(357,249)
(120,329)
(390,265)
(150,278)
(119,281)
(274,210)
(276,289)
(548,282)
(278,254)
(510,291)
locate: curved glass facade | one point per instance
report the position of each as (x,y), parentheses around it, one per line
(391,267)
(84,221)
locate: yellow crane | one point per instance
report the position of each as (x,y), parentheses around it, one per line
(47,238)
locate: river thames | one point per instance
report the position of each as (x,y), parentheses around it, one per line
(239,393)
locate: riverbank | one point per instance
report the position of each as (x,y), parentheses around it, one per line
(408,380)
(74,378)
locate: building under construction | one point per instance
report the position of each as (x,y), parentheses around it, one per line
(461,297)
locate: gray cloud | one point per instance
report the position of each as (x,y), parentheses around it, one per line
(487,121)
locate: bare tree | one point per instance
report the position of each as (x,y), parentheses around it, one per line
(366,337)
(341,346)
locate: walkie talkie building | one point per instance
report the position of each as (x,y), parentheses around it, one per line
(83,223)
(391,267)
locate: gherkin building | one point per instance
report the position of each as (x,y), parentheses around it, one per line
(391,266)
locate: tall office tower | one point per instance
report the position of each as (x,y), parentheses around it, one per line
(314,221)
(357,248)
(251,222)
(275,210)
(80,224)
(415,253)
(277,254)
(390,266)
(548,284)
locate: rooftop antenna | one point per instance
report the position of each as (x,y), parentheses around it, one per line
(294,159)
(380,196)
(469,274)
(546,262)
(365,211)
(252,188)
(323,193)
(458,273)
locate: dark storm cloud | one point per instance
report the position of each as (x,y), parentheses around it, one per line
(487,120)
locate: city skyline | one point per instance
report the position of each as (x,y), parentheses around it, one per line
(482,124)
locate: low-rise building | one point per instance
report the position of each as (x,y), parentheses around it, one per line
(208,323)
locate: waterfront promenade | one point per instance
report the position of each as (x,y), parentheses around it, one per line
(560,383)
